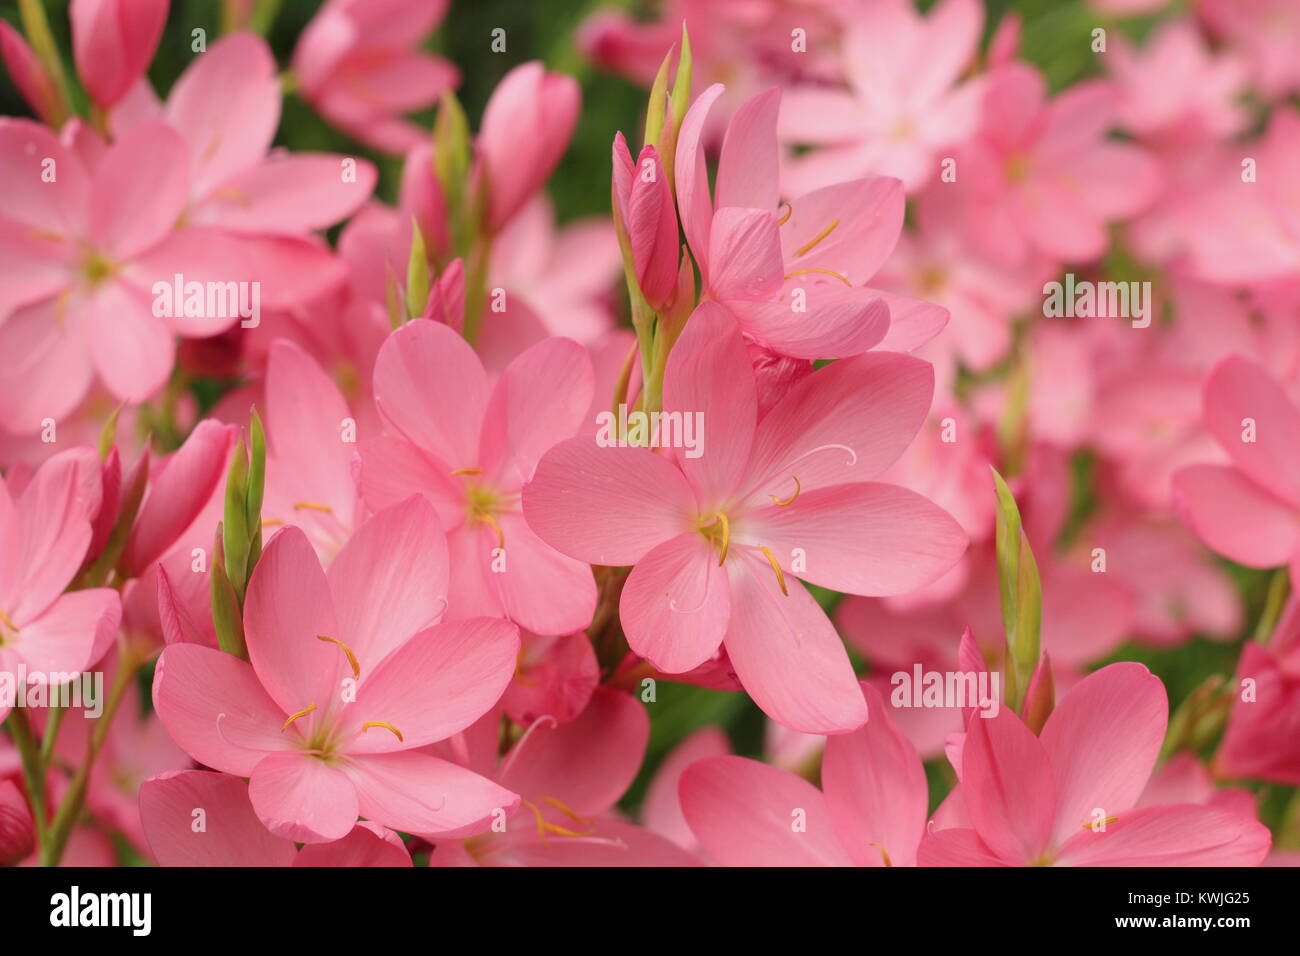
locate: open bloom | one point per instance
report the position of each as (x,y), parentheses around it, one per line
(568,778)
(717,535)
(1248,510)
(359,63)
(903,103)
(44,534)
(870,811)
(1069,797)
(173,804)
(1041,176)
(794,279)
(350,673)
(473,462)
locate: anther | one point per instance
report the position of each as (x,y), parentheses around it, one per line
(352,658)
(780,575)
(386,725)
(803,272)
(812,243)
(788,501)
(292,717)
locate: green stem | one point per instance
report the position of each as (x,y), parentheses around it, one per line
(51,734)
(33,767)
(37,29)
(476,279)
(1279,586)
(70,808)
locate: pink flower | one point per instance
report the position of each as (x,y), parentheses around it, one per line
(17,830)
(232,835)
(717,536)
(350,674)
(1264,724)
(1265,32)
(555,678)
(226,106)
(311,442)
(644,206)
(568,778)
(180,485)
(359,63)
(1069,797)
(1041,176)
(903,103)
(1247,510)
(871,810)
(44,534)
(113,42)
(795,283)
(473,462)
(1175,90)
(30,77)
(526,128)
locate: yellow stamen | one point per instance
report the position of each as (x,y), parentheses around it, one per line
(780,575)
(789,211)
(804,272)
(7,621)
(386,725)
(352,658)
(544,826)
(312,506)
(292,717)
(788,501)
(1109,820)
(884,855)
(271,522)
(726,535)
(811,244)
(234,195)
(501,535)
(468,471)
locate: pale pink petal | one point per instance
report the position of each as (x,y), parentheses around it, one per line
(139,190)
(436,684)
(1103,739)
(1006,780)
(544,590)
(231,834)
(292,194)
(691,177)
(366,845)
(423,370)
(214,708)
(1236,517)
(606,506)
(848,228)
(786,653)
(744,254)
(132,348)
(415,793)
(747,167)
(1256,423)
(45,368)
(745,813)
(303,798)
(875,789)
(866,538)
(390,580)
(676,603)
(1180,835)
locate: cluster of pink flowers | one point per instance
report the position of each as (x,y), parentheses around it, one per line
(928,395)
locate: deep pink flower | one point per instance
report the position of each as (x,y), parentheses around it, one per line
(716,537)
(643,202)
(350,675)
